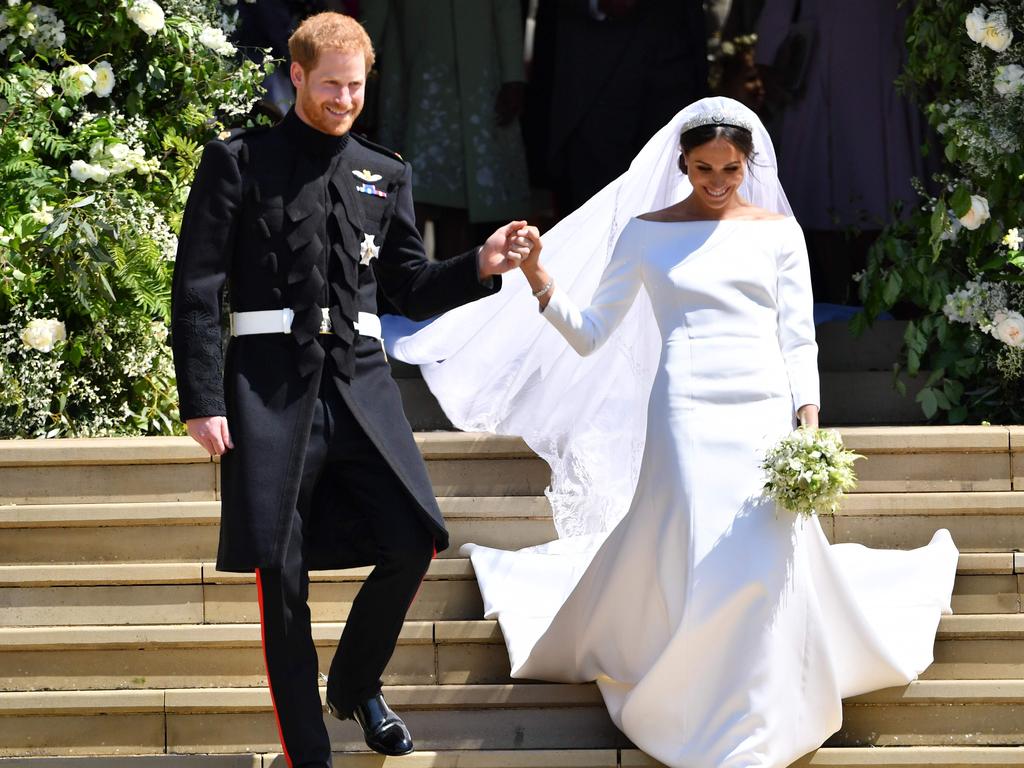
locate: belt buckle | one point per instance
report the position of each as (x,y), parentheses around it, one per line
(325,321)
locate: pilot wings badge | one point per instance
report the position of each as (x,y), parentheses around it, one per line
(367,176)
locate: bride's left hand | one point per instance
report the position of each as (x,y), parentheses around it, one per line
(808,416)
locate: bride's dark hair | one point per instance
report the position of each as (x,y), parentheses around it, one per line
(740,138)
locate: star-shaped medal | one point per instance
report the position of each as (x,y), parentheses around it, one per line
(368,250)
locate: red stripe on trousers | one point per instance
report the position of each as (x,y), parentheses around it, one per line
(266,663)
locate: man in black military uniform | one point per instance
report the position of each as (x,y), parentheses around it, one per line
(303,222)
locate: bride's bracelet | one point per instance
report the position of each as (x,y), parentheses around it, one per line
(541,292)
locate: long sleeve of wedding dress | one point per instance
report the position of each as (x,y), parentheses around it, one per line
(796,321)
(588,329)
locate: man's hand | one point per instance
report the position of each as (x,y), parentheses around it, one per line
(211,432)
(503,250)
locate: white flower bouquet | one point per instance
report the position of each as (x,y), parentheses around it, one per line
(809,470)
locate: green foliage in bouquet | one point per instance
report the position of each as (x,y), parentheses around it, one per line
(958,257)
(104,108)
(808,471)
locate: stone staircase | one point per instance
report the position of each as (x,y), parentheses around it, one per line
(122,646)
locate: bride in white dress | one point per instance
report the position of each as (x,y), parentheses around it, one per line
(722,632)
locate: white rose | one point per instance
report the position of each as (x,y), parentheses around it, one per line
(1009,79)
(975,23)
(78,80)
(43,334)
(997,32)
(25,145)
(104,79)
(978,214)
(215,40)
(80,170)
(44,91)
(1009,328)
(148,15)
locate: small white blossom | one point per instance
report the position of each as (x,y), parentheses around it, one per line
(44,91)
(977,215)
(216,41)
(1009,79)
(148,15)
(42,213)
(78,80)
(42,334)
(104,79)
(25,145)
(1013,240)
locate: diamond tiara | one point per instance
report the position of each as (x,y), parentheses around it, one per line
(715,118)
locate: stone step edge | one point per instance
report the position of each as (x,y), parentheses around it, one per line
(470,445)
(493,508)
(1007,626)
(845,757)
(528,695)
(183,450)
(190,513)
(440,569)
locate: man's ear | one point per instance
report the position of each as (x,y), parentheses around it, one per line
(298,75)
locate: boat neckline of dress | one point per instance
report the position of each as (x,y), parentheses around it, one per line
(706,221)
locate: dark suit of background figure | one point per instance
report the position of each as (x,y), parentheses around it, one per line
(325,472)
(599,89)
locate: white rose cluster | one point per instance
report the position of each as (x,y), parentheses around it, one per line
(1009,80)
(215,39)
(989,29)
(110,158)
(43,334)
(147,15)
(983,305)
(41,29)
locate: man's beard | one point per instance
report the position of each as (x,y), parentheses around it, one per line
(314,113)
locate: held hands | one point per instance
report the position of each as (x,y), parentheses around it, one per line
(212,433)
(504,250)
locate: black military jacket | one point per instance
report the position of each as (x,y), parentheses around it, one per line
(284,218)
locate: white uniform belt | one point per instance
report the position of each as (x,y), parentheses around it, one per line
(280,321)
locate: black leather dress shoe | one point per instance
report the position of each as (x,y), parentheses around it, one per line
(383,730)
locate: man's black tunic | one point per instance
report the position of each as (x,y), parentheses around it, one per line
(282,216)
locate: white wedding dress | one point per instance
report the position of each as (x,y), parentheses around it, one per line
(722,633)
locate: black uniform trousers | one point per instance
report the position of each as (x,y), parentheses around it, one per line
(339,446)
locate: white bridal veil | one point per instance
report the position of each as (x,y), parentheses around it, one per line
(497,366)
